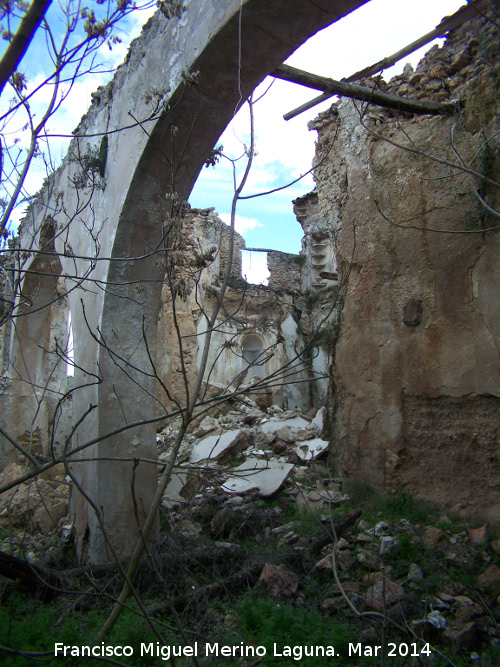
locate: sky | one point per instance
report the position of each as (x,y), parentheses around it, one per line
(285,148)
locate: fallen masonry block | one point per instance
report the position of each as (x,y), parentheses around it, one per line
(219,447)
(255,474)
(273,426)
(311,449)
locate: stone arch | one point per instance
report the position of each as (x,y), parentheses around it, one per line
(143,173)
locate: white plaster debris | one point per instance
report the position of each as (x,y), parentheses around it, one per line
(214,446)
(319,419)
(264,476)
(311,449)
(174,488)
(275,425)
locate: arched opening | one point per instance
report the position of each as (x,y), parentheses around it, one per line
(115,329)
(252,349)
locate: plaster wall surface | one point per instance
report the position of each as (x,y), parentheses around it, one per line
(415,392)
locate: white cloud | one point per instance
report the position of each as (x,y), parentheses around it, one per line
(254,267)
(241,224)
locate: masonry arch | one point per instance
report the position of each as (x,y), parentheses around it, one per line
(231,47)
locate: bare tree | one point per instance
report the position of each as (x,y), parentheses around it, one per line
(74,36)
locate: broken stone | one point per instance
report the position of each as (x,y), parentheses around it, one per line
(433,537)
(188,528)
(275,425)
(387,544)
(174,488)
(460,635)
(495,545)
(436,619)
(368,558)
(207,426)
(349,587)
(415,573)
(281,582)
(463,600)
(325,564)
(309,450)
(266,477)
(234,501)
(382,595)
(10,473)
(279,447)
(48,515)
(490,580)
(478,535)
(219,447)
(333,604)
(363,525)
(381,528)
(469,612)
(227,521)
(251,418)
(319,419)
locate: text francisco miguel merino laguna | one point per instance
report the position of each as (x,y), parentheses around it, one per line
(216,650)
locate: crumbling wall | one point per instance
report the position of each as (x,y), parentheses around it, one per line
(415,392)
(284,269)
(262,313)
(319,262)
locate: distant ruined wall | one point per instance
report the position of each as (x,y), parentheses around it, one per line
(318,244)
(415,393)
(285,270)
(256,321)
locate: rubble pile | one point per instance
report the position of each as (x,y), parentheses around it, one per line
(247,451)
(34,511)
(254,506)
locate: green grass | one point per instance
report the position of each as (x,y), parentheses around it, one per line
(27,625)
(405,506)
(266,622)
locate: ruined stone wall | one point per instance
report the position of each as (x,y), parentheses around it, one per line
(319,268)
(415,392)
(284,269)
(262,312)
(239,245)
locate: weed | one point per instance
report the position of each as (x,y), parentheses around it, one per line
(489,45)
(237,283)
(307,521)
(407,550)
(92,167)
(276,625)
(403,505)
(29,625)
(360,492)
(462,575)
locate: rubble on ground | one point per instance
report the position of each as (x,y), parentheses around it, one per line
(247,451)
(239,477)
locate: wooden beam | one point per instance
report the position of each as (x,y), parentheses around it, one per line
(448,23)
(363,93)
